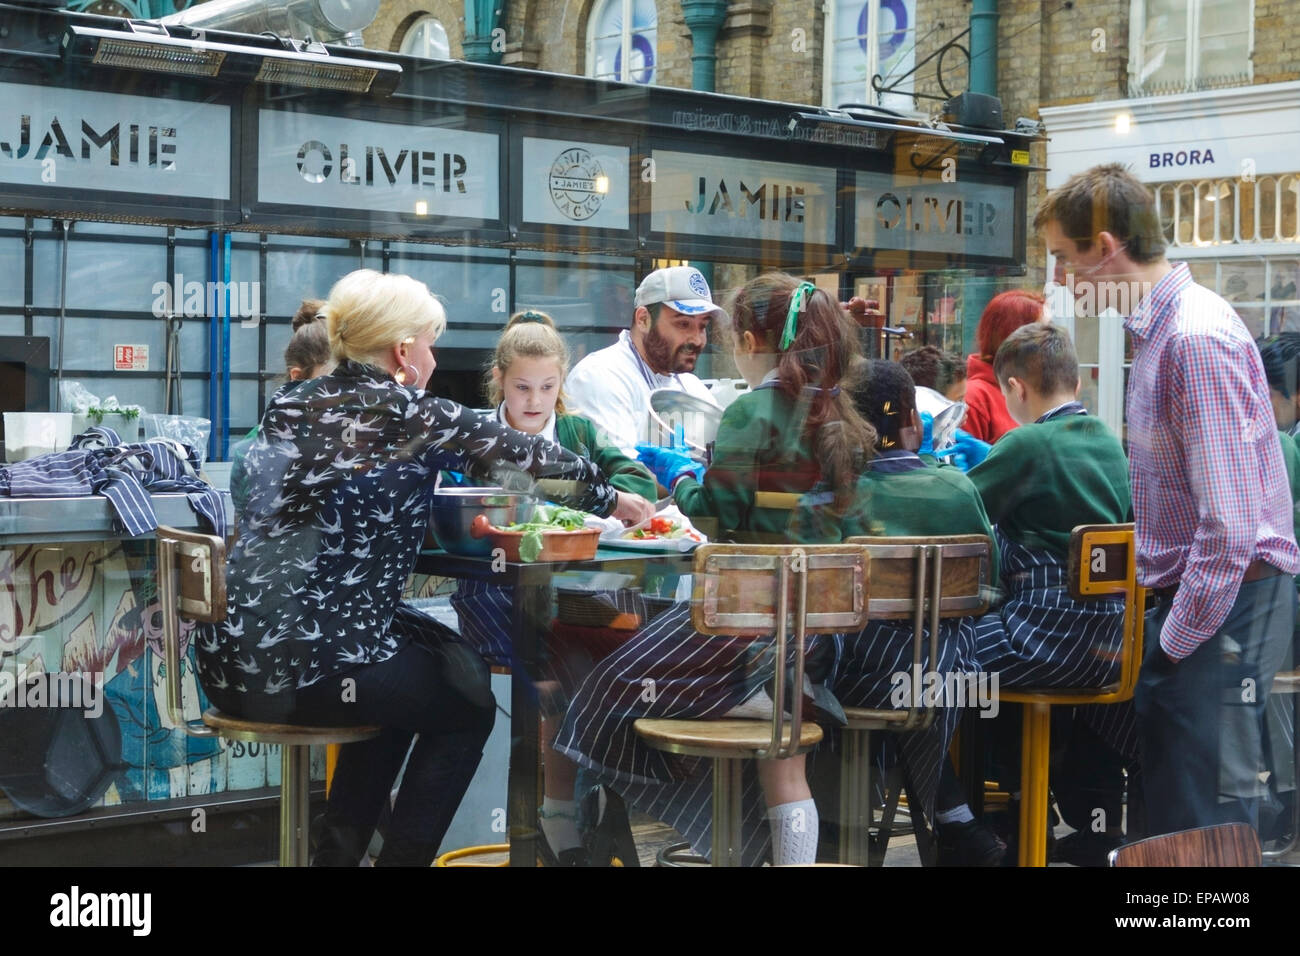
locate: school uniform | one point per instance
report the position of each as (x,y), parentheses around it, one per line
(668,670)
(761,445)
(1038,483)
(902,495)
(483,608)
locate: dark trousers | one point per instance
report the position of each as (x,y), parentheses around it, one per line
(435,687)
(1200,719)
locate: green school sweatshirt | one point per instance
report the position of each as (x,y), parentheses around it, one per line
(1040,481)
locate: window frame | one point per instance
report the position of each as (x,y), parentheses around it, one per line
(625,41)
(410,31)
(829,39)
(1192,46)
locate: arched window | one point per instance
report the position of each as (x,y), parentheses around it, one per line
(621,41)
(427,38)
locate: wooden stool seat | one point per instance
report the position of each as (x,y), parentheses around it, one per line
(727,739)
(1228,844)
(291,735)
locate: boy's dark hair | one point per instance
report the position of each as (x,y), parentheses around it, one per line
(932,367)
(1105,199)
(885,396)
(1281,357)
(1040,355)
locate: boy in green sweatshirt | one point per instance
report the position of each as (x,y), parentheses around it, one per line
(1065,469)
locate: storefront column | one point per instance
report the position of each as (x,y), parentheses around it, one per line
(482,17)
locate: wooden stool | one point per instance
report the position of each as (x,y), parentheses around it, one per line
(192,584)
(755,590)
(946,576)
(1102,562)
(1228,844)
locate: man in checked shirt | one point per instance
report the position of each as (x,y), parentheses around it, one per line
(1211,503)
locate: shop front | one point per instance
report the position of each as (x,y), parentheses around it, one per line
(1223,168)
(158,231)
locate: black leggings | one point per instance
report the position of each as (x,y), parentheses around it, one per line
(434,686)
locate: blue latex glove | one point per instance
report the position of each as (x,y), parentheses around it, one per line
(968,451)
(927,436)
(668,465)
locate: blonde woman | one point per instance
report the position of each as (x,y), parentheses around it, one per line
(339,496)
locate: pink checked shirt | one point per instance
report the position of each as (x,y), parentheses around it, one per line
(1210,491)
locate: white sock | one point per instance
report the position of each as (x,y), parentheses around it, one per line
(560,823)
(794,833)
(958,814)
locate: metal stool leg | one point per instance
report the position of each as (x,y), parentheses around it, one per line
(855,797)
(1036,743)
(727,790)
(295,803)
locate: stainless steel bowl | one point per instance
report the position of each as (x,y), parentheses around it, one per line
(454,510)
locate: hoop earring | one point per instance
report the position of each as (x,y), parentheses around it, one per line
(404,377)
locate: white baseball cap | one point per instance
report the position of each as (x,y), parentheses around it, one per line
(680,287)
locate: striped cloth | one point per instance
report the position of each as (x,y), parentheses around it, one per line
(1210,490)
(98,463)
(483,611)
(864,669)
(670,671)
(1042,637)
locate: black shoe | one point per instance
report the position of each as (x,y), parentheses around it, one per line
(1085,848)
(608,837)
(969,844)
(573,856)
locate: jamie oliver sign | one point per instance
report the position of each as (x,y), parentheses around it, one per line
(309,160)
(83,139)
(961,218)
(568,183)
(742,199)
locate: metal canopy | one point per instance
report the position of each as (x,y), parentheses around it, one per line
(470,153)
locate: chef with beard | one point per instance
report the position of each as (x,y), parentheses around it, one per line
(669,330)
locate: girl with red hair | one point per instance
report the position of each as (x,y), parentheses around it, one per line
(987,417)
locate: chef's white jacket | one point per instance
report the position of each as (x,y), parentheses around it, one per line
(612,388)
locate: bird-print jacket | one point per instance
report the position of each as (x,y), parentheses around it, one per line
(340,483)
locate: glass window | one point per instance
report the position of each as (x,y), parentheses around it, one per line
(622,37)
(1182,45)
(868,38)
(427,37)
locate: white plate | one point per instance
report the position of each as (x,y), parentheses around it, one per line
(662,545)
